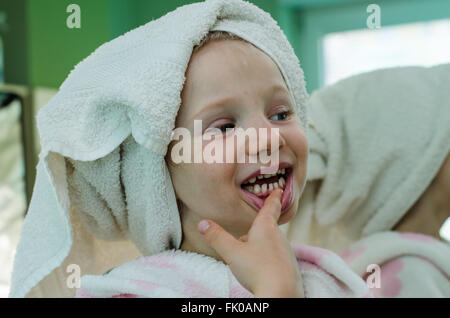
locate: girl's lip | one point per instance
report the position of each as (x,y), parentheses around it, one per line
(286,199)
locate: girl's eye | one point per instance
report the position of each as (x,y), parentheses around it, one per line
(224,127)
(284,115)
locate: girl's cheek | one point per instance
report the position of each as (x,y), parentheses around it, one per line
(297,141)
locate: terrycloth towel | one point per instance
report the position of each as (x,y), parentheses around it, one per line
(411,265)
(101,174)
(177,273)
(378,140)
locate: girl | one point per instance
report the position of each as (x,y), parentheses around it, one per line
(219,213)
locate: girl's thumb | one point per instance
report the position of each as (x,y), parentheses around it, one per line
(220,240)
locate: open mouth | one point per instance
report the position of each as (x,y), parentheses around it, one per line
(259,187)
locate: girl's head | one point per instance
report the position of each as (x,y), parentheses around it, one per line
(229,84)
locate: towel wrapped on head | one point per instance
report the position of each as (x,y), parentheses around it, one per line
(101,174)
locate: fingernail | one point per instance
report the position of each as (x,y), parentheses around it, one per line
(203,226)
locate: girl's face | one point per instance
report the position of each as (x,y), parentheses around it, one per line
(233,84)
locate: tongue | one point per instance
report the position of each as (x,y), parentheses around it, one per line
(264,196)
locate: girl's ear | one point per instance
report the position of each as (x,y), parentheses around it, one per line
(167,158)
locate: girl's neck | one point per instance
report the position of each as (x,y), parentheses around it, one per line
(187,246)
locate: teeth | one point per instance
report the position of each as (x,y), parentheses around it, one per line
(257,188)
(266,176)
(264,188)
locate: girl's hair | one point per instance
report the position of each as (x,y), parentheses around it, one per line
(216,36)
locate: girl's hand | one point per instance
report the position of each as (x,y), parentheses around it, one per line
(263,260)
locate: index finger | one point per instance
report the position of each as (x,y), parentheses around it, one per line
(272,205)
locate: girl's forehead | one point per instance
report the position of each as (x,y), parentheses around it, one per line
(223,71)
(223,64)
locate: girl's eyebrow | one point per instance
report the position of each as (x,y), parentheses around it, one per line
(230,99)
(216,104)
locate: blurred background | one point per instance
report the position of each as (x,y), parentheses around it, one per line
(332,39)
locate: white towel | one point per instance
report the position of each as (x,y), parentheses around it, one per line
(101,174)
(177,273)
(379,138)
(410,264)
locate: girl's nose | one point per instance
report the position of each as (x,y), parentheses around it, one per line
(268,140)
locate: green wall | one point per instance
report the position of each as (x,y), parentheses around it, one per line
(54,48)
(15,41)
